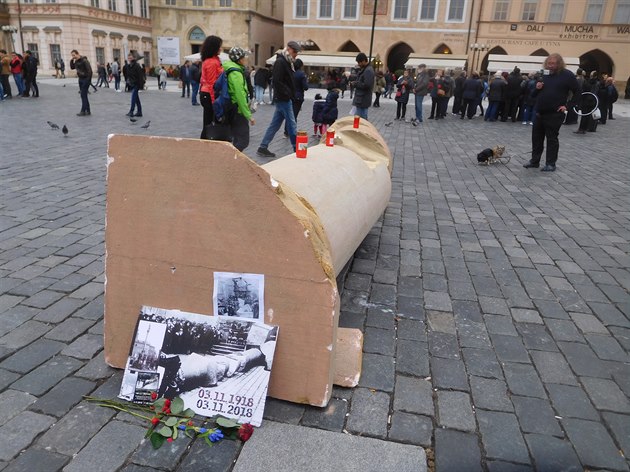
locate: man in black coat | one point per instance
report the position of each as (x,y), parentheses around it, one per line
(512,95)
(551,104)
(135,79)
(363,86)
(284,94)
(84,73)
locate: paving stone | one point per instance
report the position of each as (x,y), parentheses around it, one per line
(166,457)
(455,411)
(571,402)
(43,299)
(300,449)
(500,466)
(368,413)
(30,287)
(34,459)
(472,334)
(501,436)
(20,431)
(457,451)
(93,310)
(32,355)
(443,345)
(607,347)
(411,429)
(536,416)
(536,337)
(7,378)
(440,321)
(107,450)
(13,403)
(410,287)
(332,417)
(348,319)
(88,291)
(492,305)
(551,309)
(360,282)
(620,427)
(71,283)
(60,310)
(379,341)
(84,347)
(380,318)
(552,367)
(521,315)
(412,358)
(413,395)
(69,330)
(377,372)
(622,335)
(435,283)
(218,458)
(564,330)
(500,324)
(509,348)
(583,360)
(482,363)
(40,380)
(413,330)
(96,369)
(593,444)
(63,396)
(383,276)
(606,395)
(439,301)
(552,453)
(490,394)
(384,295)
(24,334)
(607,314)
(283,412)
(449,374)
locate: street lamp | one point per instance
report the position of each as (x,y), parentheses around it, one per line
(11,30)
(476,49)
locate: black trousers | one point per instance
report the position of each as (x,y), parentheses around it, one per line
(547,127)
(511,107)
(5,84)
(401,110)
(208,112)
(469,107)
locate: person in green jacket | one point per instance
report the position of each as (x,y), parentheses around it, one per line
(239,93)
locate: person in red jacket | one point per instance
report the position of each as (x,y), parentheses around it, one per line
(211,68)
(16,70)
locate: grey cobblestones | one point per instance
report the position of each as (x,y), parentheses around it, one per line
(481,289)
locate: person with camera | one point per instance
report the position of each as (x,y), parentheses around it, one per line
(551,94)
(363,86)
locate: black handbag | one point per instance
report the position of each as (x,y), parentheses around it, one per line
(218,132)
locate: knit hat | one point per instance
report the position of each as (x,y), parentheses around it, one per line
(236,53)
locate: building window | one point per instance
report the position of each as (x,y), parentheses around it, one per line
(556,11)
(116,54)
(112,5)
(350,9)
(34,48)
(199,3)
(456,10)
(50,1)
(622,12)
(147,58)
(55,53)
(427,10)
(594,10)
(301,8)
(401,9)
(100,55)
(325,9)
(129,4)
(95,3)
(144,9)
(529,10)
(224,3)
(501,8)
(170,2)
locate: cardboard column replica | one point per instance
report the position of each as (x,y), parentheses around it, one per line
(179,210)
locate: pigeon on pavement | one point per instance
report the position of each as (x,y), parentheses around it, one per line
(389,124)
(146,125)
(64,130)
(52,125)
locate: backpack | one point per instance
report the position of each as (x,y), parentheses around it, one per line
(614,95)
(222,105)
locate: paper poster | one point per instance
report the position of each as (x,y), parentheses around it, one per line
(217,365)
(168,50)
(240,295)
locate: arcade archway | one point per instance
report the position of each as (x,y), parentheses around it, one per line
(349,46)
(442,49)
(494,50)
(540,52)
(397,56)
(597,60)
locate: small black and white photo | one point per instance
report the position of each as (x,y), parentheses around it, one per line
(239,295)
(217,365)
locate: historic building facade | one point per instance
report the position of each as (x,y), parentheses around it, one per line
(251,24)
(98,29)
(595,31)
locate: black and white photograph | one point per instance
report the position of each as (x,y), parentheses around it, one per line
(239,295)
(217,365)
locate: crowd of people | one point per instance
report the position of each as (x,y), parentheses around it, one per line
(23,68)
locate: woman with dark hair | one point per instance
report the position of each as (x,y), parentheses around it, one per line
(211,68)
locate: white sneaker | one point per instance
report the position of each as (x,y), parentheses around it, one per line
(531,123)
(524,122)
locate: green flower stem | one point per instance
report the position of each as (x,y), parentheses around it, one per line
(121,408)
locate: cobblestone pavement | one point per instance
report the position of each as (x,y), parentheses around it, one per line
(494,300)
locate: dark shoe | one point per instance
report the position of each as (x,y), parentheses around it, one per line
(264,152)
(138,114)
(88,113)
(82,114)
(611,118)
(129,114)
(580,131)
(529,165)
(548,168)
(431,118)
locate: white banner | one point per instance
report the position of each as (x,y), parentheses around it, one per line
(168,50)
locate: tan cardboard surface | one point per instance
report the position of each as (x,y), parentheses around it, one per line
(178,210)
